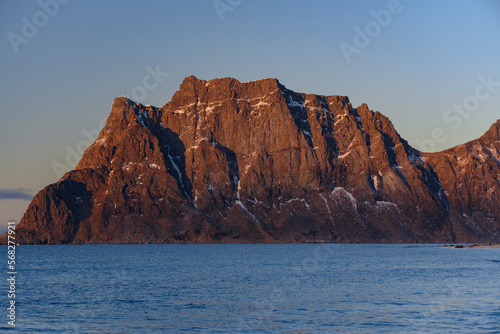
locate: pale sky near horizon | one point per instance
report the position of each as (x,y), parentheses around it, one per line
(62,66)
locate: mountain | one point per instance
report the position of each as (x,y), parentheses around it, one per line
(231,162)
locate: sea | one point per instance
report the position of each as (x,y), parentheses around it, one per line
(254,288)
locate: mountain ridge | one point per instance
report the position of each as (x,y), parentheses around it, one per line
(227,162)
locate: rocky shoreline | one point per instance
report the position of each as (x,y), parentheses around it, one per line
(488,245)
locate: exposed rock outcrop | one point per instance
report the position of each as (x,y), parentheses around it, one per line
(230,162)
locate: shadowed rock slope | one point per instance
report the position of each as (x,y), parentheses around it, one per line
(230,162)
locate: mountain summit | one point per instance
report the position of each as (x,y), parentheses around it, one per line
(230,162)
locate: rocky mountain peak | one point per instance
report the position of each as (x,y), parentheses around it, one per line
(194,90)
(493,133)
(226,161)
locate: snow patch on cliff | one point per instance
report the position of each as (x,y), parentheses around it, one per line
(127,166)
(154,166)
(297,200)
(340,191)
(327,207)
(240,203)
(375,181)
(101,141)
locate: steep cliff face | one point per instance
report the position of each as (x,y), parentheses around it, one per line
(470,175)
(226,161)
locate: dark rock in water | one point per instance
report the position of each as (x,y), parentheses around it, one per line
(231,162)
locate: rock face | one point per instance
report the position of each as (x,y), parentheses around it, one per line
(233,162)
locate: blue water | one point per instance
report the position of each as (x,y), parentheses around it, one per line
(302,288)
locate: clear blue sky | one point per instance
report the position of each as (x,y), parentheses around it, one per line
(63,79)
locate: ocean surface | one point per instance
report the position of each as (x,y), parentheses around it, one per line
(299,288)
